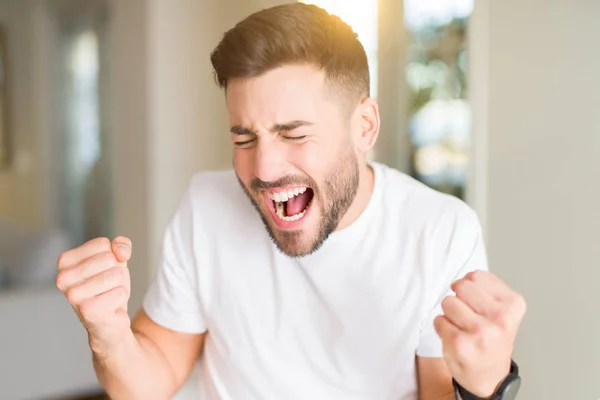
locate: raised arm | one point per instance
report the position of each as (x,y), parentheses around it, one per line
(142,360)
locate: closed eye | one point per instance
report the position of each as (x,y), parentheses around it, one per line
(294,137)
(243,143)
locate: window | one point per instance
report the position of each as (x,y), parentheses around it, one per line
(85,179)
(440,115)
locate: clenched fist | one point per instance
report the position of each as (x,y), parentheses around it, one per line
(95,279)
(478,331)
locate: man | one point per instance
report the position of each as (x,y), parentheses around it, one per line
(349,291)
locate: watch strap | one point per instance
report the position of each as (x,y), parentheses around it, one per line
(461,393)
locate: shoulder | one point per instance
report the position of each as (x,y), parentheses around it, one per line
(214,188)
(419,208)
(217,202)
(403,192)
(445,231)
(210,197)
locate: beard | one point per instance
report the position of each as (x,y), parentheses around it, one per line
(336,197)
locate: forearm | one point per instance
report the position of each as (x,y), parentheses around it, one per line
(136,370)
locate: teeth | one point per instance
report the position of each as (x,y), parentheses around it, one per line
(286,194)
(279,210)
(280,197)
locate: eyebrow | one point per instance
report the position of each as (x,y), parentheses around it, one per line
(240,130)
(288,126)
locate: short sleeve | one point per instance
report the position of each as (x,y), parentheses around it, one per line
(462,250)
(173,298)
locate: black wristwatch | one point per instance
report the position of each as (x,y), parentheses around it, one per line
(507,390)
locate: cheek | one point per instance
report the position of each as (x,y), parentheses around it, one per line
(243,163)
(305,160)
(317,160)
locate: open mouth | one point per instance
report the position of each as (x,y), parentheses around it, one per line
(291,204)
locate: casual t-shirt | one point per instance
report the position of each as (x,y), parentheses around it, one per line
(345,322)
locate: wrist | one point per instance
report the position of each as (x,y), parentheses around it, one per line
(107,354)
(486,390)
(506,389)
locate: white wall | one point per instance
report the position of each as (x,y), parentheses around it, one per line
(543,175)
(393,146)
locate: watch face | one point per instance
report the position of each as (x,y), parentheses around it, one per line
(511,389)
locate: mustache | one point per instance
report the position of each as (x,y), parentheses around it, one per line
(289,180)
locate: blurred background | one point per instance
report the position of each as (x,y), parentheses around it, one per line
(107,107)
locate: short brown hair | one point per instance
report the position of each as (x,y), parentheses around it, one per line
(294,33)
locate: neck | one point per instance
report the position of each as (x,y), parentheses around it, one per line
(363,195)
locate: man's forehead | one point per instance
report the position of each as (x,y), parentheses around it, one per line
(285,94)
(290,82)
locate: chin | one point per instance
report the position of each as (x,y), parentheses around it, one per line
(296,230)
(294,243)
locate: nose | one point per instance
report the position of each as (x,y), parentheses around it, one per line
(269,161)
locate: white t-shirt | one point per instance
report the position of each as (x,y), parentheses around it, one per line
(343,323)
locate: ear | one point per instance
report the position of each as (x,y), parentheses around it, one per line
(367,114)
